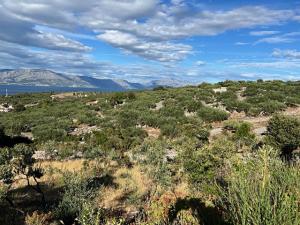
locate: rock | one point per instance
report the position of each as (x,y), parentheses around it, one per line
(171,154)
(260,131)
(40,155)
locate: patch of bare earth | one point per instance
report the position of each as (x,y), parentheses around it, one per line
(259,123)
(62,95)
(292,111)
(239,94)
(158,106)
(92,103)
(31,105)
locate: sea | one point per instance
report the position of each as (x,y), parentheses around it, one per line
(19,89)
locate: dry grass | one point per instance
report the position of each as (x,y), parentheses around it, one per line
(69,165)
(131,186)
(152,132)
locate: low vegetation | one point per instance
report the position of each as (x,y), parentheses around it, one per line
(190,155)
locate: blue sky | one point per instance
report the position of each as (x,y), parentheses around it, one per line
(143,40)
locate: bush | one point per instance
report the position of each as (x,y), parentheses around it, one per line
(19,107)
(284,133)
(76,194)
(243,135)
(209,114)
(203,166)
(44,133)
(272,106)
(262,190)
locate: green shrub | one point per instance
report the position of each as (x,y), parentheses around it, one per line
(203,166)
(272,106)
(263,191)
(19,107)
(254,111)
(243,135)
(212,114)
(76,194)
(44,133)
(284,133)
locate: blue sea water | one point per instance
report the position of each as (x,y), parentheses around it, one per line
(18,89)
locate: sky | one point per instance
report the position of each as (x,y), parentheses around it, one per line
(143,40)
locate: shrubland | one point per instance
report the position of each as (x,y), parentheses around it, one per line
(189,155)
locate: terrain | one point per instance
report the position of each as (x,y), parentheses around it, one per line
(39,77)
(225,153)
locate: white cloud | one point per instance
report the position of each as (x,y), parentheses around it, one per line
(292,54)
(241,43)
(273,65)
(284,38)
(200,63)
(166,25)
(263,32)
(160,51)
(275,40)
(21,32)
(150,29)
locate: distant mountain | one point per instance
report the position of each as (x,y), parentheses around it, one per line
(38,77)
(128,85)
(111,84)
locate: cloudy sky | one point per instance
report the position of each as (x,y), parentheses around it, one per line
(143,40)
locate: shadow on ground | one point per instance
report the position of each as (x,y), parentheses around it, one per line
(6,141)
(205,215)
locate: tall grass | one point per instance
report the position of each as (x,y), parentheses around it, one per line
(262,190)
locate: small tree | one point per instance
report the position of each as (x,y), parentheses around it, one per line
(17,163)
(284,133)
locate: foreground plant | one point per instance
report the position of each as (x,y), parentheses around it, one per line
(18,164)
(262,191)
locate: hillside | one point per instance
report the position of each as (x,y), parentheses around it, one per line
(37,77)
(207,154)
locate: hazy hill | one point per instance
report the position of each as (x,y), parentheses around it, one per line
(38,77)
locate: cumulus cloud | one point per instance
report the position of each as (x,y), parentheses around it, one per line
(160,51)
(149,20)
(21,32)
(150,29)
(168,25)
(15,56)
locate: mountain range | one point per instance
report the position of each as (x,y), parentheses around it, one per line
(41,77)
